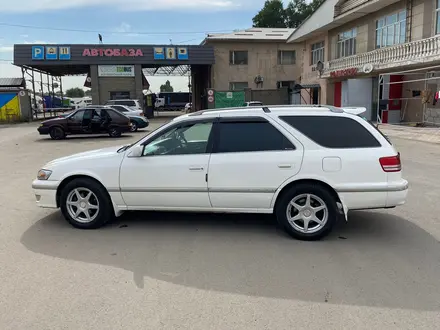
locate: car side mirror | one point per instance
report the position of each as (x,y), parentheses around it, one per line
(136,151)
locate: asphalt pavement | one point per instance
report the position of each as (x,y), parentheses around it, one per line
(200,271)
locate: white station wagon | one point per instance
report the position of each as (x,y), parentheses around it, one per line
(307,165)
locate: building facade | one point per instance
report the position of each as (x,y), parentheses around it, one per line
(256,58)
(380,54)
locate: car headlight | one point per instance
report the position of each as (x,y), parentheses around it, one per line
(43,174)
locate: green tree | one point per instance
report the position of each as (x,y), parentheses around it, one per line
(88,92)
(166,87)
(272,15)
(75,92)
(296,12)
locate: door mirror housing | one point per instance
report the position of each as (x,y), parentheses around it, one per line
(136,151)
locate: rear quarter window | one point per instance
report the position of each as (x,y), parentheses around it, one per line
(333,132)
(114,115)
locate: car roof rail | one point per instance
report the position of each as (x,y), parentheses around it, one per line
(268,108)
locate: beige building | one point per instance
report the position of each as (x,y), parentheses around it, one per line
(256,58)
(381,54)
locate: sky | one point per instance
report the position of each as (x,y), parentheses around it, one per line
(119,22)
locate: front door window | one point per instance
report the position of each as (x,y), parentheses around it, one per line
(188,139)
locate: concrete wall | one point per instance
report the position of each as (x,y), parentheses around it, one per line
(268,96)
(262,60)
(309,73)
(102,86)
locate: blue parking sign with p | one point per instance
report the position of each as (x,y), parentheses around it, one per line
(38,52)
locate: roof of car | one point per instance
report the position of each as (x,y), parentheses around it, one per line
(121,100)
(268,109)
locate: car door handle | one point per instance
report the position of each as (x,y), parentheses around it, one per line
(196,168)
(285,165)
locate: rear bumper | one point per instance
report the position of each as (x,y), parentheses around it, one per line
(374,196)
(46,193)
(125,129)
(397,195)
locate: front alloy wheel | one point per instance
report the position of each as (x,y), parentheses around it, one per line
(86,204)
(82,205)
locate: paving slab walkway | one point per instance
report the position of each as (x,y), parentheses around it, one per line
(423,134)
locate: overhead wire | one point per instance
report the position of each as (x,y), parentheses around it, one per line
(108,31)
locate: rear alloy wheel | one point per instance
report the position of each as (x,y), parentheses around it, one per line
(57,133)
(307,212)
(114,132)
(85,204)
(133,127)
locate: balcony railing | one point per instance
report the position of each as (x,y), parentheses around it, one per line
(414,52)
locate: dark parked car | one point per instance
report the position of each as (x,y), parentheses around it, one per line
(87,121)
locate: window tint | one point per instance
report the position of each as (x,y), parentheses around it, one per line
(114,115)
(251,136)
(333,132)
(120,108)
(78,116)
(190,139)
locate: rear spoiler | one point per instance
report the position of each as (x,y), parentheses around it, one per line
(358,111)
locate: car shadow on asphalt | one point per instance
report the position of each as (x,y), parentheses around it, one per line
(377,259)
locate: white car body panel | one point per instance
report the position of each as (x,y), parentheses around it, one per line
(237,182)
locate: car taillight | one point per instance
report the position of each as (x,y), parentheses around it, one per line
(391,164)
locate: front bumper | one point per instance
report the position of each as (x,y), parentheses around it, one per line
(142,123)
(45,193)
(43,130)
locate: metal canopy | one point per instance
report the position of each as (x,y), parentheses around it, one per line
(180,70)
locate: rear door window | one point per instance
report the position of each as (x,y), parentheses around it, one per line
(250,136)
(333,132)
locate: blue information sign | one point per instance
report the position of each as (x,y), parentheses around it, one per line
(38,52)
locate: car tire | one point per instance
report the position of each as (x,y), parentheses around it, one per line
(114,132)
(133,127)
(75,198)
(57,133)
(307,212)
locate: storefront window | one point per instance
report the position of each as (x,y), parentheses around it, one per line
(346,45)
(391,30)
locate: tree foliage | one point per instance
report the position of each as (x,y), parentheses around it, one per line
(75,92)
(271,16)
(166,87)
(274,15)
